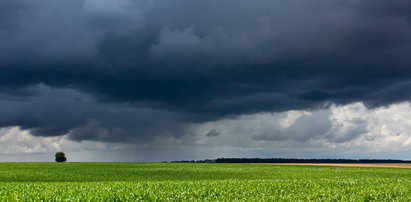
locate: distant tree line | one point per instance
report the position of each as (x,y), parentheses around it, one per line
(292,160)
(196,161)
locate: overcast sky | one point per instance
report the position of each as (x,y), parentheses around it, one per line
(156,80)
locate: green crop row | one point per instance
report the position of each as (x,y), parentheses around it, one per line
(229,190)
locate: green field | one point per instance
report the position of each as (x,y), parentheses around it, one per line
(201,182)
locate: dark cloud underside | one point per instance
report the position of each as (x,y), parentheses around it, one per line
(154,67)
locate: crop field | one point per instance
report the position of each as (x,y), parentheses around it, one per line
(372,165)
(200,182)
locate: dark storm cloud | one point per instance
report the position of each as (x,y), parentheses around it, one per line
(48,112)
(201,60)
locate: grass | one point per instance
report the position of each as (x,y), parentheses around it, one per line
(200,182)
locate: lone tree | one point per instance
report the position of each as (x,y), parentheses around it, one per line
(60,157)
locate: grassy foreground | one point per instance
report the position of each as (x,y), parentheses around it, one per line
(200,182)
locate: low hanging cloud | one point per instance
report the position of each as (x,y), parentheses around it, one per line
(138,70)
(48,111)
(212,133)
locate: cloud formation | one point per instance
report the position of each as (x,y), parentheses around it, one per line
(15,141)
(140,70)
(350,131)
(352,127)
(47,111)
